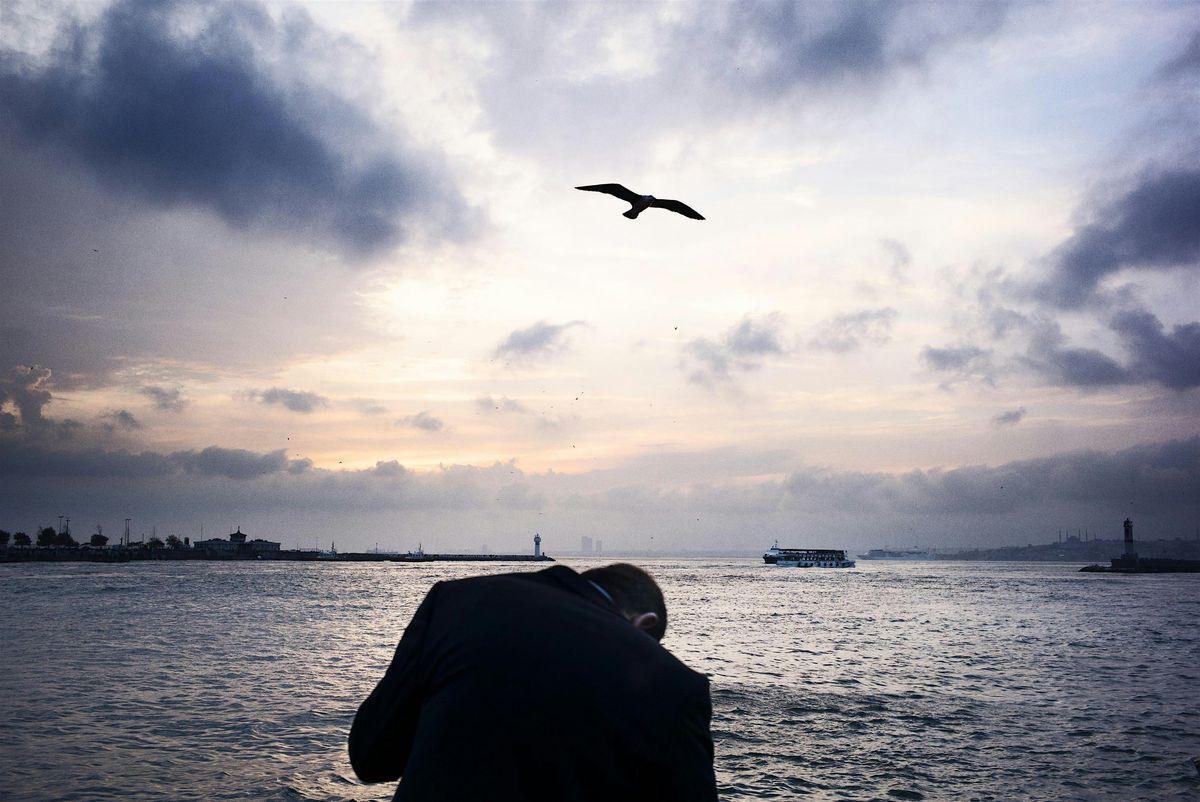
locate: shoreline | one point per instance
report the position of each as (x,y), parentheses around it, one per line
(25,554)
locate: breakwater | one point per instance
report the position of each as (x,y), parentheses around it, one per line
(23,554)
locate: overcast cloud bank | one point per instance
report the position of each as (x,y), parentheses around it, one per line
(1162,479)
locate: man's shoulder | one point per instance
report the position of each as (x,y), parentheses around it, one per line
(685,676)
(559,576)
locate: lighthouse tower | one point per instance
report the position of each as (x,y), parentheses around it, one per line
(537,545)
(1130,552)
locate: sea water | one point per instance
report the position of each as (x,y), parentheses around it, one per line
(893,680)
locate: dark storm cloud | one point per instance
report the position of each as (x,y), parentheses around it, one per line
(1155,355)
(844,333)
(165,400)
(424,420)
(1010,418)
(1056,363)
(1171,359)
(24,393)
(1160,476)
(233,463)
(295,400)
(540,340)
(20,458)
(31,458)
(1152,225)
(215,480)
(1166,474)
(713,363)
(27,390)
(195,119)
(122,419)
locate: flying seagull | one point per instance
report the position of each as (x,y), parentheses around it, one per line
(641,203)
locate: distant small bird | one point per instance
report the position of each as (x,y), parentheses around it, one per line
(641,203)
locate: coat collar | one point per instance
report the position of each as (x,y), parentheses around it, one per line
(570,580)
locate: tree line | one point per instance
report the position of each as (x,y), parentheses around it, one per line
(49,536)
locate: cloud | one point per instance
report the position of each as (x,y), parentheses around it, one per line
(423,420)
(1073,367)
(956,505)
(1010,418)
(713,363)
(1000,321)
(295,400)
(1172,360)
(30,458)
(541,340)
(168,102)
(24,393)
(751,338)
(165,400)
(371,409)
(1150,226)
(1160,473)
(26,389)
(963,361)
(233,463)
(583,77)
(299,466)
(844,333)
(783,47)
(1185,64)
(389,468)
(502,405)
(122,419)
(901,258)
(1140,221)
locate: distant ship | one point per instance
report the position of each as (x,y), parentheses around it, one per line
(806,558)
(898,554)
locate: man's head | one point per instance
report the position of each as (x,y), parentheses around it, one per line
(635,593)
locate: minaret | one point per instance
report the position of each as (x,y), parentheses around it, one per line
(537,545)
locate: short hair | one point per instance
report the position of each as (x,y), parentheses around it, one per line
(633,590)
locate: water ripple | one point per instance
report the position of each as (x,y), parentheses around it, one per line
(209,681)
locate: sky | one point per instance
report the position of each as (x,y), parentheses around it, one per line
(319,271)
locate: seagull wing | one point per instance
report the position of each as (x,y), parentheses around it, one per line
(679,207)
(627,195)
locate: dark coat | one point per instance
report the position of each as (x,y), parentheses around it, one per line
(533,686)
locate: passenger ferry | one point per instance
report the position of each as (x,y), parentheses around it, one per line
(806,558)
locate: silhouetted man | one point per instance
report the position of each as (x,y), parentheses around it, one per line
(538,686)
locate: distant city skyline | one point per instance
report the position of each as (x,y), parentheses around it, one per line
(320,271)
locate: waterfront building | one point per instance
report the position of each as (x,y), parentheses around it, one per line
(236,545)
